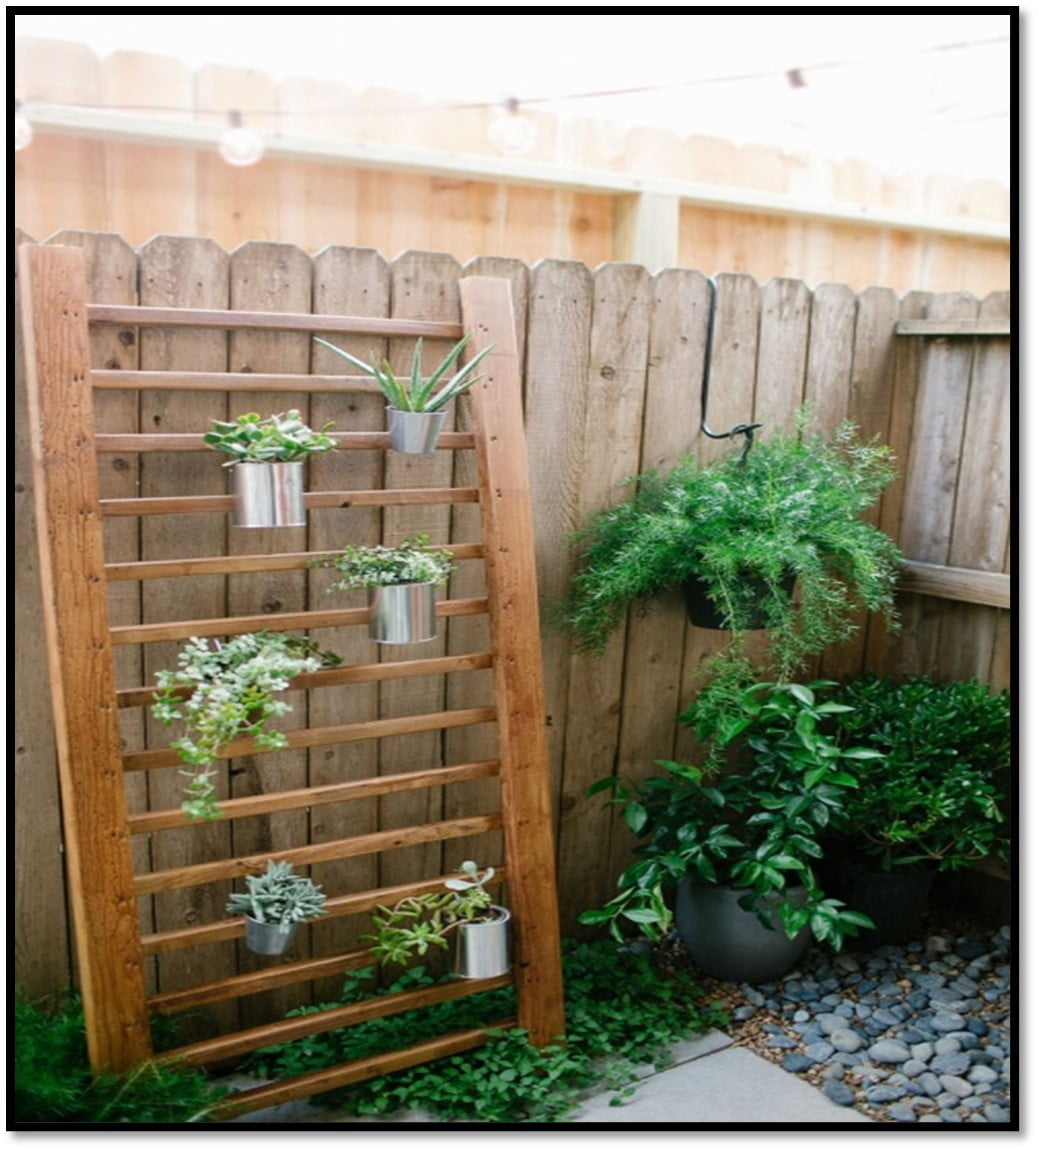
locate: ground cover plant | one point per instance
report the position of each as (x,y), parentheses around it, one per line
(620,1012)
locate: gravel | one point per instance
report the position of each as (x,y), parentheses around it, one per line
(918,1033)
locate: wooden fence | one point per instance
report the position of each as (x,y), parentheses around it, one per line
(613,362)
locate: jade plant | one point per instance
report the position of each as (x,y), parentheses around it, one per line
(418,391)
(412,561)
(278,896)
(278,438)
(225,691)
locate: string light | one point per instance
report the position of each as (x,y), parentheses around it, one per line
(22,127)
(510,131)
(240,146)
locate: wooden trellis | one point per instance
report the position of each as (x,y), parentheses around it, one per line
(106,882)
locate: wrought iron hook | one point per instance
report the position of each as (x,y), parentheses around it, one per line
(745,429)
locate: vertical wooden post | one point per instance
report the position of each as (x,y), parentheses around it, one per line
(497,418)
(100,871)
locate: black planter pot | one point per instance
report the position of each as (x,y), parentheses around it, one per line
(895,900)
(702,611)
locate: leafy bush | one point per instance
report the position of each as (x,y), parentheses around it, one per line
(53,1082)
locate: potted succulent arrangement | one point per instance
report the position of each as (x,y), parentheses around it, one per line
(771,539)
(276,902)
(267,456)
(225,691)
(416,402)
(730,857)
(418,923)
(401,583)
(934,802)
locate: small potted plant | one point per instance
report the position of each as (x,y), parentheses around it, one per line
(401,583)
(276,902)
(731,856)
(933,803)
(772,539)
(418,923)
(225,691)
(416,402)
(267,457)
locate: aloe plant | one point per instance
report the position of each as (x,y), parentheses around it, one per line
(418,392)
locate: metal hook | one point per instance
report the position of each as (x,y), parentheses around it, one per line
(746,429)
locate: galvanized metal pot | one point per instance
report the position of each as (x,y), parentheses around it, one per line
(481,948)
(268,495)
(268,937)
(414,432)
(402,613)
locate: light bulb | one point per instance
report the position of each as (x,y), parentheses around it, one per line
(22,128)
(511,132)
(240,146)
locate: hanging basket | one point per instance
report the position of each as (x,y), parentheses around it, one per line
(268,937)
(481,948)
(402,613)
(268,495)
(703,612)
(414,432)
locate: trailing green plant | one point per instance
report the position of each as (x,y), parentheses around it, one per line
(226,691)
(279,438)
(412,561)
(756,827)
(418,391)
(415,923)
(936,795)
(621,1012)
(777,532)
(279,896)
(53,1082)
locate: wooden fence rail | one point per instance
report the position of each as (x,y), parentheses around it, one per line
(613,360)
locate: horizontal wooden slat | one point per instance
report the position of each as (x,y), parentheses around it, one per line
(343,676)
(201,873)
(230,381)
(202,504)
(345,440)
(329,736)
(229,1046)
(953,327)
(271,321)
(151,821)
(988,588)
(286,621)
(362,1069)
(339,906)
(257,981)
(240,564)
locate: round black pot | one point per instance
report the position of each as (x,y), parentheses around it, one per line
(895,900)
(702,612)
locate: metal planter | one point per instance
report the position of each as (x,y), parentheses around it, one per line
(402,613)
(414,432)
(268,937)
(268,495)
(481,948)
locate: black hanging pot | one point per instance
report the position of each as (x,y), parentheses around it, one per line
(752,596)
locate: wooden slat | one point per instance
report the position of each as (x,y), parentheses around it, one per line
(257,981)
(271,321)
(329,736)
(401,496)
(315,796)
(526,797)
(286,621)
(232,381)
(225,564)
(335,1077)
(966,327)
(990,588)
(201,873)
(345,441)
(97,845)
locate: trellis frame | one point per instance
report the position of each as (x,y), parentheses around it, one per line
(80,641)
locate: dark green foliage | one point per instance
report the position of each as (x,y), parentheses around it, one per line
(619,1012)
(53,1082)
(938,793)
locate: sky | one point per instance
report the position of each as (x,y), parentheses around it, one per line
(902,88)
